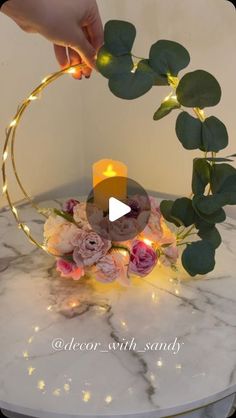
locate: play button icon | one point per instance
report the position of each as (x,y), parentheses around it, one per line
(117,209)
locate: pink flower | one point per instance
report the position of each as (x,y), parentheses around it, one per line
(113,267)
(90,247)
(142,259)
(69,205)
(170,255)
(123,228)
(69,269)
(58,234)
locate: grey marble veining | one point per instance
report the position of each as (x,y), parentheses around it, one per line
(37,307)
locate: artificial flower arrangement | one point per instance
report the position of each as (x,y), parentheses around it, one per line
(82,252)
(79,250)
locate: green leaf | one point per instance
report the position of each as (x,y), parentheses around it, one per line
(168,58)
(158,80)
(228,190)
(198,89)
(166,107)
(209,205)
(214,135)
(201,175)
(166,209)
(131,85)
(220,173)
(199,258)
(212,235)
(109,65)
(217,160)
(189,131)
(182,209)
(119,37)
(214,218)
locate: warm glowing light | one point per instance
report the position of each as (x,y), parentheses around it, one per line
(30,340)
(109,171)
(154,297)
(41,385)
(45,79)
(26,229)
(31,370)
(176,291)
(66,387)
(108,399)
(32,98)
(178,366)
(71,70)
(56,392)
(36,329)
(123,323)
(26,354)
(86,396)
(13,123)
(133,71)
(73,304)
(49,308)
(105,59)
(4,189)
(5,156)
(14,210)
(148,242)
(159,363)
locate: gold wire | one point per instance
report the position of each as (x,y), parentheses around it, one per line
(10,143)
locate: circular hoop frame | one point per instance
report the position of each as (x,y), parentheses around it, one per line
(10,145)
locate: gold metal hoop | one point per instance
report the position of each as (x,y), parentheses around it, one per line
(9,150)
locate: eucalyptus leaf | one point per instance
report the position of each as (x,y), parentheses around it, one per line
(212,235)
(166,210)
(119,37)
(214,218)
(131,85)
(220,173)
(166,107)
(201,175)
(158,80)
(214,135)
(109,65)
(211,204)
(198,89)
(182,209)
(189,131)
(199,258)
(168,58)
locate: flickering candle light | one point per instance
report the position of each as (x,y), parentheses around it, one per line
(108,169)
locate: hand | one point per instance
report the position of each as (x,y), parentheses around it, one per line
(74,26)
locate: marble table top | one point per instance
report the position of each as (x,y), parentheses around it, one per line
(61,341)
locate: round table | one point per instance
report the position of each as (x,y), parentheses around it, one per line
(163,347)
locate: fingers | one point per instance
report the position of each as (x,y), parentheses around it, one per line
(95,32)
(84,48)
(61,55)
(68,57)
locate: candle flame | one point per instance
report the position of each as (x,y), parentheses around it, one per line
(109,171)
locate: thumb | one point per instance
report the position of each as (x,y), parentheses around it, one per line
(83,47)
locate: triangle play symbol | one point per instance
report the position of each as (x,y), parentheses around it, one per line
(117,209)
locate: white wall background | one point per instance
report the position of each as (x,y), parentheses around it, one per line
(78,123)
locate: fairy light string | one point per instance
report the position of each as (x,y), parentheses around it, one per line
(9,151)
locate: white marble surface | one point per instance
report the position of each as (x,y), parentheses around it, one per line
(34,308)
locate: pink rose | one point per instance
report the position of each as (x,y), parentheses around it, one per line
(113,267)
(69,269)
(90,247)
(123,228)
(69,205)
(170,256)
(59,234)
(142,259)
